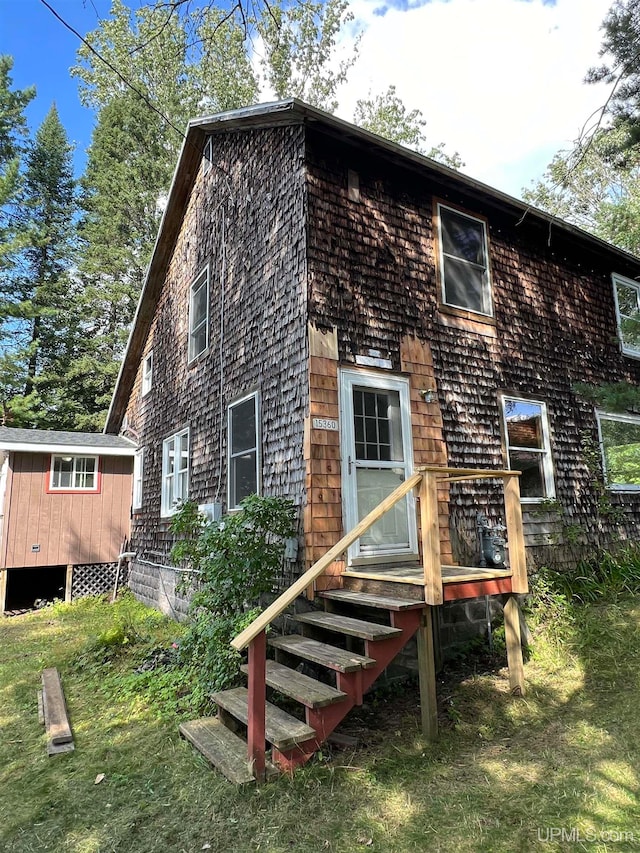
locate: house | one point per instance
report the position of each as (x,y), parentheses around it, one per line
(331,317)
(65,502)
(325,310)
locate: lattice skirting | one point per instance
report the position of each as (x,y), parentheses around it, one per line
(96,578)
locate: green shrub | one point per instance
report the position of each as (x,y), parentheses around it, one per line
(231,563)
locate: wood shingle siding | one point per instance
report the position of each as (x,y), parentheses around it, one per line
(245,219)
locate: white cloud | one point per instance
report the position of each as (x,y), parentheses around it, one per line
(499,81)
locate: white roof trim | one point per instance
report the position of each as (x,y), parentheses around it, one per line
(67,449)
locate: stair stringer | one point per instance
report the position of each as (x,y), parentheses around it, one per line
(354,684)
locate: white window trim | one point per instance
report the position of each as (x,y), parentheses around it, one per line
(201,280)
(80,489)
(632,352)
(138,473)
(167,511)
(441,254)
(545,451)
(628,419)
(147,373)
(230,456)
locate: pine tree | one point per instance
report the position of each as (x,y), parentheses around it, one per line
(13,130)
(40,283)
(621,68)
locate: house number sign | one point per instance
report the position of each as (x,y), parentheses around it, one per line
(325,423)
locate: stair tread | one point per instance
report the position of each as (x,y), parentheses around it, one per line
(346,625)
(302,688)
(322,653)
(222,748)
(281,729)
(383,602)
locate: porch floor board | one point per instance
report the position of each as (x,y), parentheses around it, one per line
(414,574)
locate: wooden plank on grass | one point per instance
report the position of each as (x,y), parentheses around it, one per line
(55,709)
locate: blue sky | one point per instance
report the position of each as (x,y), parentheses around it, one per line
(43,52)
(499,81)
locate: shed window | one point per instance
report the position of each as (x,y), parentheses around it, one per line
(627,299)
(138,467)
(464,265)
(147,373)
(244,455)
(175,472)
(528,447)
(74,474)
(199,315)
(620,444)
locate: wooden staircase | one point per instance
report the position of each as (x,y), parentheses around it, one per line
(346,651)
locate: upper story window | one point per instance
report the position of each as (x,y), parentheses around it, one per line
(244,453)
(175,472)
(147,373)
(138,467)
(199,315)
(526,429)
(207,155)
(74,474)
(627,299)
(620,445)
(464,261)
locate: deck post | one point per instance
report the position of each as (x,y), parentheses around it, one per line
(515,534)
(430,531)
(257,688)
(427,674)
(514,645)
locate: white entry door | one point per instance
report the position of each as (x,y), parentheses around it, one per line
(377,456)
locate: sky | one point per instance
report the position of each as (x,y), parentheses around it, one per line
(498,81)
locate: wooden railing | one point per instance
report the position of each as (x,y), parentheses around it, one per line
(289,596)
(426,480)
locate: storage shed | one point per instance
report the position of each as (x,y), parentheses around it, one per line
(65,505)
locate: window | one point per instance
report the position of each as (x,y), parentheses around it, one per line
(175,472)
(464,265)
(620,444)
(244,458)
(627,298)
(138,465)
(207,155)
(528,447)
(147,373)
(199,315)
(74,474)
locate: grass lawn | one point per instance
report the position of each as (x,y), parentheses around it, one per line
(557,770)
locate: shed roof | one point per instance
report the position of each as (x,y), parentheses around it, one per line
(290,111)
(52,441)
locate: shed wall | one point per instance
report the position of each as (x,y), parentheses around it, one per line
(69,528)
